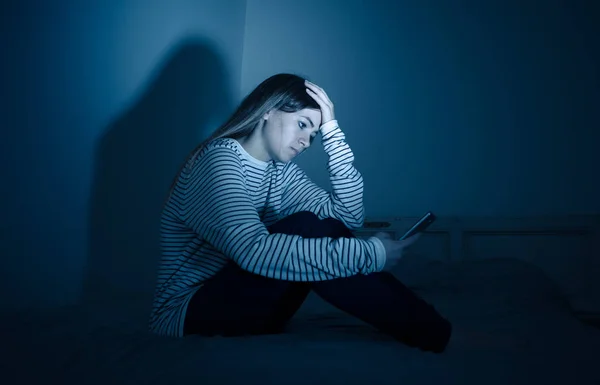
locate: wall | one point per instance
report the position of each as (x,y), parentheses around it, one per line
(479,110)
(100,104)
(463,108)
(482,111)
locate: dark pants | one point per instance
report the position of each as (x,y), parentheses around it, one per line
(236,302)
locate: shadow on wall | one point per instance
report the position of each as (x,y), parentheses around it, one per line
(135,162)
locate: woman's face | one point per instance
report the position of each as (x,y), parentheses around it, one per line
(287,134)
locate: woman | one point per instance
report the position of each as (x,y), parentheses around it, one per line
(246,234)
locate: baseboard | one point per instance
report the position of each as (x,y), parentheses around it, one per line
(566,248)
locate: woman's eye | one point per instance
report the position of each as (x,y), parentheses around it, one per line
(302,125)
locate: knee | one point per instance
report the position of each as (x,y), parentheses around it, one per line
(335,228)
(307,216)
(302,223)
(308,224)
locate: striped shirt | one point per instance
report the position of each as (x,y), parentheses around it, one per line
(221,206)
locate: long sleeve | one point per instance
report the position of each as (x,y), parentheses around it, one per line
(345,202)
(214,201)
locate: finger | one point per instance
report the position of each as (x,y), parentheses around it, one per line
(415,237)
(410,240)
(313,85)
(326,108)
(319,91)
(317,98)
(316,90)
(406,241)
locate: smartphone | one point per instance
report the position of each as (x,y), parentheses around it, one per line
(420,226)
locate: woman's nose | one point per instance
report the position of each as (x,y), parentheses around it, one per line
(305,141)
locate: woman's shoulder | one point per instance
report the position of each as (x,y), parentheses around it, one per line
(214,151)
(220,147)
(222,143)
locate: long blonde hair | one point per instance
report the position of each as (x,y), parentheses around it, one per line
(284,92)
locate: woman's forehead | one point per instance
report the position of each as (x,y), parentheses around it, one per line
(314,115)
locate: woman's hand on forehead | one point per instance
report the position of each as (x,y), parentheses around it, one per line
(320,96)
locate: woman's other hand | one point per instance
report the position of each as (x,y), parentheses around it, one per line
(394,249)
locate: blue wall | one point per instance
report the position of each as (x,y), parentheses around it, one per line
(463,108)
(101,102)
(483,108)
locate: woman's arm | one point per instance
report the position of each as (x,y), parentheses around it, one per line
(345,202)
(213,201)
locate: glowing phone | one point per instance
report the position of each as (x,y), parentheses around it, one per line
(421,225)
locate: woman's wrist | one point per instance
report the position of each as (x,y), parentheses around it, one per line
(328,126)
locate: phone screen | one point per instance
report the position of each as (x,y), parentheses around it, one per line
(420,226)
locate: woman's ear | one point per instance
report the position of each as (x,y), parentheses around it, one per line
(267,115)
